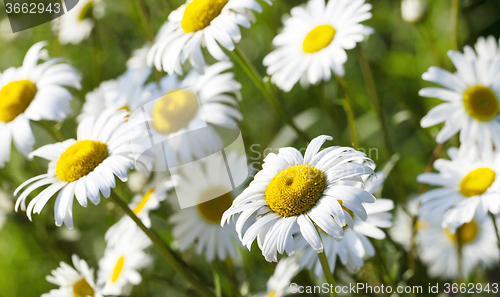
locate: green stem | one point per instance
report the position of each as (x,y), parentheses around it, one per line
(371,89)
(351,120)
(217,283)
(328,274)
(266,91)
(458,232)
(496,229)
(56,135)
(164,250)
(455,13)
(229,276)
(145,20)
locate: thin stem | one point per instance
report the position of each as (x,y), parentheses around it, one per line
(229,276)
(328,274)
(266,91)
(455,13)
(351,120)
(435,154)
(371,89)
(145,20)
(496,229)
(56,135)
(458,232)
(164,250)
(217,283)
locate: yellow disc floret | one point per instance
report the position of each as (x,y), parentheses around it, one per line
(295,190)
(80,159)
(481,103)
(82,289)
(15,97)
(212,210)
(318,38)
(142,203)
(174,111)
(200,13)
(477,182)
(467,232)
(118,269)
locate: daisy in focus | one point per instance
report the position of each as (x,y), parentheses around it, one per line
(73,282)
(197,24)
(77,24)
(178,107)
(200,225)
(314,41)
(438,247)
(127,92)
(84,167)
(469,185)
(141,206)
(33,92)
(119,267)
(355,245)
(279,283)
(471,96)
(317,190)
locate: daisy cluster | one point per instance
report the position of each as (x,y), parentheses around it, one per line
(312,209)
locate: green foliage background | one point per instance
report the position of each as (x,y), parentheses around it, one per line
(398,52)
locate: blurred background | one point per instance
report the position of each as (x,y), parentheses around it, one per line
(399,52)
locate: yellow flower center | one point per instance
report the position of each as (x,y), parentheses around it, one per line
(212,210)
(143,201)
(468,232)
(200,13)
(174,111)
(318,38)
(477,182)
(295,190)
(15,97)
(86,12)
(82,289)
(481,103)
(80,159)
(271,294)
(118,269)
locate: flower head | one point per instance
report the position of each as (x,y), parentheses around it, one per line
(316,191)
(83,167)
(314,41)
(33,92)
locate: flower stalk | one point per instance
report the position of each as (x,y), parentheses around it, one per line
(327,271)
(266,91)
(164,250)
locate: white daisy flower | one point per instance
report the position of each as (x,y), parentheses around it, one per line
(6,207)
(121,262)
(139,59)
(488,48)
(413,11)
(141,206)
(77,24)
(469,185)
(471,98)
(83,167)
(73,282)
(197,24)
(402,229)
(314,41)
(355,245)
(200,99)
(312,191)
(33,92)
(278,284)
(126,92)
(438,247)
(201,224)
